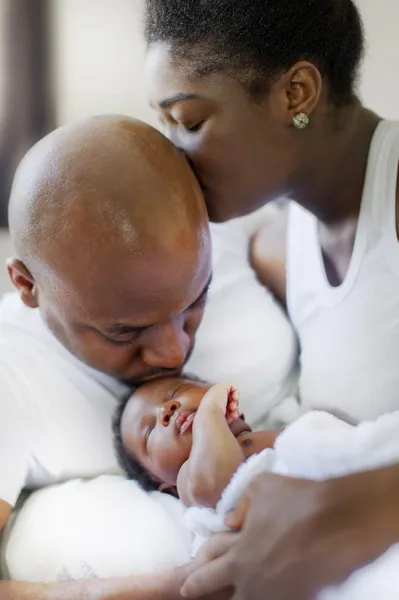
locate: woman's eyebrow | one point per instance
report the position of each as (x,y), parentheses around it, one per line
(168,102)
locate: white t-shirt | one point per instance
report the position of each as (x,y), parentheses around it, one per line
(55,413)
(349,335)
(245,336)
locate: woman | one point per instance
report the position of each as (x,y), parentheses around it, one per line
(261,98)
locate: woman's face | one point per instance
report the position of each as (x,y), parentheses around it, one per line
(241,150)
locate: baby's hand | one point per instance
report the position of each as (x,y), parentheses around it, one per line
(226,397)
(232,411)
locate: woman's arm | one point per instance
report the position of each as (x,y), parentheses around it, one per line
(215,455)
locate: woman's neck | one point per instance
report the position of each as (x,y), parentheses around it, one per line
(332,187)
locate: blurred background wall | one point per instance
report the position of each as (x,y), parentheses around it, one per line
(61,60)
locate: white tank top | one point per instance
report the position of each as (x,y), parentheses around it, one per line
(349,335)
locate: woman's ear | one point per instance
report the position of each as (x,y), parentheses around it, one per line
(23,281)
(300,87)
(168,489)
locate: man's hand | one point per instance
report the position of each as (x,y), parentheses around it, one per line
(299,536)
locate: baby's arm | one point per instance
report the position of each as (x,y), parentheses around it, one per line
(215,454)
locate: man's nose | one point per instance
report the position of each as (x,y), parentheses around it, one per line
(168,346)
(168,410)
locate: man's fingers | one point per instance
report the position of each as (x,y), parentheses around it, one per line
(236,519)
(216,547)
(208,579)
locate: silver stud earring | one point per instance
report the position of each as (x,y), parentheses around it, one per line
(301,121)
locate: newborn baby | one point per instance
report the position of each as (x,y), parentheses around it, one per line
(185,437)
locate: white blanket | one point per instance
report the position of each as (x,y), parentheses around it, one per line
(319,446)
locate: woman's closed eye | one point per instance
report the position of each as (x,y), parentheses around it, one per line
(193,128)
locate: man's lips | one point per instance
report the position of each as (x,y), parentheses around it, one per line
(184,421)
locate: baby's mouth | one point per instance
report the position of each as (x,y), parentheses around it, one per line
(184,421)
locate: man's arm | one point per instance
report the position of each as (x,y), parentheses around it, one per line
(215,454)
(157,586)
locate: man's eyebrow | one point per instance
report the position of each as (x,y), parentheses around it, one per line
(121,329)
(203,293)
(178,98)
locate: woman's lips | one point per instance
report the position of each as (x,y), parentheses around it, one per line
(184,421)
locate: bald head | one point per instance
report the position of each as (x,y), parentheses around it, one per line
(106,214)
(108,180)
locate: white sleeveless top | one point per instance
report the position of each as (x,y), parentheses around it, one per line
(349,335)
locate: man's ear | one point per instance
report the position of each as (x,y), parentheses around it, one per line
(168,489)
(23,281)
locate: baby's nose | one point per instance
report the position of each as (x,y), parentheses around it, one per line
(168,411)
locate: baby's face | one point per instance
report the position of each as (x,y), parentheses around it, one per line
(156,426)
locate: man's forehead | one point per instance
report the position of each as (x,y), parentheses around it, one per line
(135,297)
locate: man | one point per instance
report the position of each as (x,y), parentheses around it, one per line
(112,270)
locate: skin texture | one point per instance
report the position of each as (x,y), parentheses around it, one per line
(113,246)
(246,153)
(197,462)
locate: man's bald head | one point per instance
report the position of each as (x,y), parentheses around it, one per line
(106,180)
(111,228)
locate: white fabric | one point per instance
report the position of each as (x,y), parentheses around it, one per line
(349,335)
(319,446)
(245,337)
(106,527)
(55,413)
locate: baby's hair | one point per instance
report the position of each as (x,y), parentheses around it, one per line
(128,463)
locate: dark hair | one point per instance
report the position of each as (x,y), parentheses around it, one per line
(128,463)
(257,40)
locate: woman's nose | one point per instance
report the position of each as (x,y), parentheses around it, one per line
(168,410)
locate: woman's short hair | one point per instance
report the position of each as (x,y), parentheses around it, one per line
(257,40)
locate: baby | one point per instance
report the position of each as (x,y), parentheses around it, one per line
(185,437)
